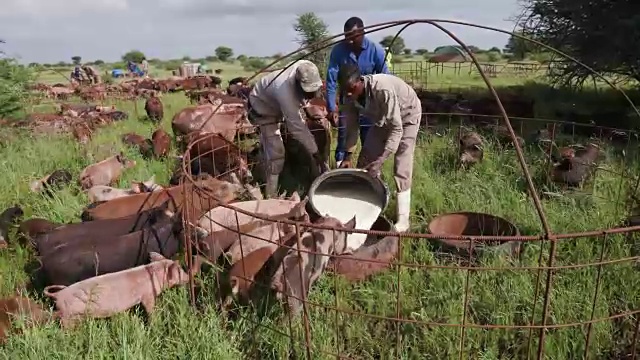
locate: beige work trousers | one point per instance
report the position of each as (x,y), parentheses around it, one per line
(272,144)
(403,158)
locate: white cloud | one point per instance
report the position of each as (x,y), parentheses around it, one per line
(49,8)
(106,29)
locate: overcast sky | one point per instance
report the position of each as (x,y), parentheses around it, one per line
(55,30)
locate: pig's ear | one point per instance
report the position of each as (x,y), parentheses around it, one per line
(154,256)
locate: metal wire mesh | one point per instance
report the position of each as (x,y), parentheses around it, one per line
(336,320)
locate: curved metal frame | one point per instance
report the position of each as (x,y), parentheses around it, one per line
(548,235)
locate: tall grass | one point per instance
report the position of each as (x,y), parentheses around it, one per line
(430,295)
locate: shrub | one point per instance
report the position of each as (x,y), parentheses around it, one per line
(14,79)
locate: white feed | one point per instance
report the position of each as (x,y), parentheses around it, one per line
(343,204)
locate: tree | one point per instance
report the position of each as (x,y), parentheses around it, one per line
(76,60)
(224,53)
(134,55)
(474,49)
(211,58)
(312,31)
(241,57)
(495,49)
(406,51)
(422,52)
(186,58)
(518,48)
(602,34)
(397,46)
(98,62)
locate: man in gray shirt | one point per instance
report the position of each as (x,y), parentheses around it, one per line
(395,110)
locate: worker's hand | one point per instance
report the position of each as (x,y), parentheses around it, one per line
(374,167)
(334,118)
(346,162)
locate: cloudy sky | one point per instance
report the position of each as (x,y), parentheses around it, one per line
(55,30)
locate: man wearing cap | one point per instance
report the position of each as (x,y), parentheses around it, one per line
(369,56)
(284,94)
(395,109)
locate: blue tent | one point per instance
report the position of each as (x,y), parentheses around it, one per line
(116,73)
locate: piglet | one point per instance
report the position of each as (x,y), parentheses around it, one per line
(161,143)
(107,295)
(104,172)
(7,218)
(19,306)
(154,108)
(52,181)
(470,151)
(577,167)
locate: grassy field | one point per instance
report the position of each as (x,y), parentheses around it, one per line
(503,297)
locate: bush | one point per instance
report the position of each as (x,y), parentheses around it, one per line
(172,65)
(254,64)
(14,79)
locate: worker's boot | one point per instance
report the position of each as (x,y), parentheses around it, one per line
(271,190)
(404,208)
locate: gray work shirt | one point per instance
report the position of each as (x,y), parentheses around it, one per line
(281,99)
(391,103)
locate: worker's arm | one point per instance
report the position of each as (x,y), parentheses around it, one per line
(390,108)
(332,77)
(296,125)
(380,63)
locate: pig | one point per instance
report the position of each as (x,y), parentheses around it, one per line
(146,186)
(154,108)
(82,132)
(470,151)
(8,218)
(133,139)
(86,258)
(577,168)
(287,280)
(102,193)
(31,228)
(51,182)
(18,306)
(105,172)
(99,229)
(161,143)
(107,295)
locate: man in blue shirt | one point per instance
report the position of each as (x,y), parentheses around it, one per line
(370,58)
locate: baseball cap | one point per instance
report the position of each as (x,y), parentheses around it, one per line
(309,77)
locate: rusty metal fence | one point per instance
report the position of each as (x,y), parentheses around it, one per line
(546,302)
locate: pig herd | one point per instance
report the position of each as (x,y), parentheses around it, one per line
(123,251)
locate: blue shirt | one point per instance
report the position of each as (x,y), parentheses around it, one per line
(371,61)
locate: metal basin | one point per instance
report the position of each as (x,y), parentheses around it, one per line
(348,178)
(350,190)
(475,224)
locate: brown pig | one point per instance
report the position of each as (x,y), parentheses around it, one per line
(161,143)
(154,108)
(19,306)
(105,172)
(107,295)
(31,228)
(470,151)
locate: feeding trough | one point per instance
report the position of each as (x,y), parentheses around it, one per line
(345,193)
(475,224)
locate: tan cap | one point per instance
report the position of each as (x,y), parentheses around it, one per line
(309,77)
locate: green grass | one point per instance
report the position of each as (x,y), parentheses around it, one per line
(431,295)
